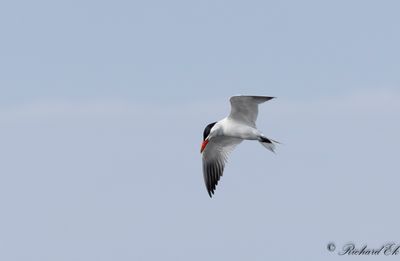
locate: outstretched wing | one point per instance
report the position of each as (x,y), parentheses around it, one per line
(245,108)
(215,156)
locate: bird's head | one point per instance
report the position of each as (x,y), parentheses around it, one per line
(207,134)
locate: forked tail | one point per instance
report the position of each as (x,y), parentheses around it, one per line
(268,143)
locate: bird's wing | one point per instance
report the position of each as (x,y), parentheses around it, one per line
(215,156)
(245,108)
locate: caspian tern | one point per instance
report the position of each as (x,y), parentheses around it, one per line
(221,137)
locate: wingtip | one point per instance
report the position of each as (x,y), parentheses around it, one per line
(249,95)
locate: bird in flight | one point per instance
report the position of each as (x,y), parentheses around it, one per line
(221,137)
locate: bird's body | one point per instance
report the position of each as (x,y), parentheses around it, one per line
(221,137)
(234,128)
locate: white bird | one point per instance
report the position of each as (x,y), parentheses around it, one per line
(221,137)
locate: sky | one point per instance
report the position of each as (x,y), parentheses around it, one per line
(103,106)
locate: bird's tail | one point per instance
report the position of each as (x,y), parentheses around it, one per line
(268,143)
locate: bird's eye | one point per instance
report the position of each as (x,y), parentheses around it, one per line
(207,130)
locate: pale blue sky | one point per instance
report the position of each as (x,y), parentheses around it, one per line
(102,110)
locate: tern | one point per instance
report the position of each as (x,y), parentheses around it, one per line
(221,137)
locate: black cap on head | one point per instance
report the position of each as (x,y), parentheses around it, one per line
(207,130)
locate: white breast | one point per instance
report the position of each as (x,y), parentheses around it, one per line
(233,128)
